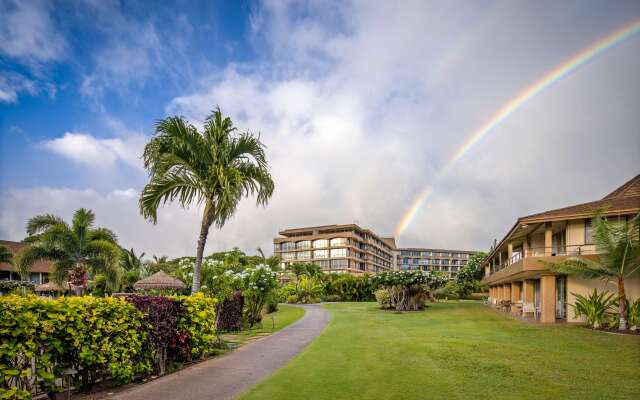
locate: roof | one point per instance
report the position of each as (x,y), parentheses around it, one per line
(391,242)
(438,250)
(159,280)
(624,200)
(16,248)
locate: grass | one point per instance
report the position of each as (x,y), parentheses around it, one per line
(455,351)
(271,323)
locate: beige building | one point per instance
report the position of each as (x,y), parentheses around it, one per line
(515,269)
(39,271)
(336,248)
(449,261)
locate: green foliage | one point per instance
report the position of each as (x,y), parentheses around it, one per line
(308,269)
(13,286)
(99,337)
(450,291)
(292,299)
(472,271)
(272,304)
(438,279)
(198,321)
(259,283)
(383,297)
(6,256)
(349,287)
(596,307)
(216,168)
(76,250)
(408,290)
(634,313)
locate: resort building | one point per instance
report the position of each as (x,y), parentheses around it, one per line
(515,270)
(336,248)
(449,261)
(39,272)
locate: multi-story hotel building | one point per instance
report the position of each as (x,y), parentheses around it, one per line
(337,248)
(449,261)
(517,275)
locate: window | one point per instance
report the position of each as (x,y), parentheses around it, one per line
(303,255)
(339,264)
(425,254)
(320,253)
(288,245)
(338,252)
(303,244)
(322,263)
(588,232)
(288,256)
(338,242)
(320,243)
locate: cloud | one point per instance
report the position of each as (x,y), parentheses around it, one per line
(28,33)
(89,150)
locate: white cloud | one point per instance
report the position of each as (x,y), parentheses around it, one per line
(86,149)
(28,33)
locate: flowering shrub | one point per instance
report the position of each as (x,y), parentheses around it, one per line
(383,297)
(197,322)
(100,337)
(259,282)
(408,290)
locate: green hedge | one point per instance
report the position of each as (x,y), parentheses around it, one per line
(97,337)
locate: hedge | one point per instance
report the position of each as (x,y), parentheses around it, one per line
(99,338)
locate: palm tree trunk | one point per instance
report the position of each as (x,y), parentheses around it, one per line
(202,241)
(622,299)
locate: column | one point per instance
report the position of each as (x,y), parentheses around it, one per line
(548,298)
(509,251)
(515,291)
(548,239)
(527,289)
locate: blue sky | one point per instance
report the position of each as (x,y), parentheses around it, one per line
(359,102)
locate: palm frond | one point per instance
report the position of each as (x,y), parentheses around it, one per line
(6,256)
(36,253)
(102,234)
(583,267)
(41,223)
(171,186)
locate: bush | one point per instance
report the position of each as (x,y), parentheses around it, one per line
(98,337)
(634,313)
(292,299)
(596,308)
(476,296)
(408,290)
(445,294)
(197,324)
(230,313)
(332,298)
(272,304)
(259,283)
(349,287)
(384,298)
(16,287)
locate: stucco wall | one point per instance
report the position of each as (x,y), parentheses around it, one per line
(586,286)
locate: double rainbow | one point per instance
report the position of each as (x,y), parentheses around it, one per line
(511,106)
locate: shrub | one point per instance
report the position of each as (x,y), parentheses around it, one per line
(408,290)
(595,308)
(309,290)
(332,298)
(197,324)
(162,314)
(292,299)
(272,304)
(16,287)
(634,313)
(99,337)
(384,298)
(259,283)
(230,313)
(349,287)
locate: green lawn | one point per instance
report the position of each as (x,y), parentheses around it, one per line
(455,351)
(271,323)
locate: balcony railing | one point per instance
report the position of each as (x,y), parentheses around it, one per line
(572,250)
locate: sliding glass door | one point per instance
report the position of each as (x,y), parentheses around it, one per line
(561,297)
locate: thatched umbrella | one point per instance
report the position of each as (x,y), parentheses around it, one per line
(158,281)
(48,287)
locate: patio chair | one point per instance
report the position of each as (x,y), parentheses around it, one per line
(528,308)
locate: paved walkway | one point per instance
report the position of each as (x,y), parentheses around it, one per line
(227,376)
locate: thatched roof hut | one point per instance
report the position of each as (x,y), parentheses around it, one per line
(158,281)
(49,287)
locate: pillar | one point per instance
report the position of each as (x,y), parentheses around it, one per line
(548,298)
(527,291)
(548,239)
(509,251)
(515,291)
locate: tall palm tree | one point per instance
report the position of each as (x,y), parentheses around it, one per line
(618,247)
(272,262)
(6,256)
(215,168)
(130,260)
(76,249)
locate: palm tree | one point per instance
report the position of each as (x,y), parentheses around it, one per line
(130,260)
(216,168)
(618,246)
(272,262)
(75,249)
(6,256)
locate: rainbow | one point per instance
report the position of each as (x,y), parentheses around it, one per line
(515,103)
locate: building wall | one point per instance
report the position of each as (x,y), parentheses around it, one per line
(443,260)
(585,287)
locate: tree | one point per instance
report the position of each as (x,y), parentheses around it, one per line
(6,256)
(472,271)
(272,262)
(215,168)
(130,261)
(618,247)
(76,249)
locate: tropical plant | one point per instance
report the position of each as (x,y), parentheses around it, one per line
(383,297)
(130,261)
(408,290)
(259,283)
(308,269)
(6,256)
(76,250)
(634,314)
(272,262)
(215,168)
(596,307)
(472,271)
(309,289)
(618,247)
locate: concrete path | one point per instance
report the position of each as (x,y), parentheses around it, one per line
(229,375)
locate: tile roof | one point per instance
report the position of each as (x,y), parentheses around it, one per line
(17,247)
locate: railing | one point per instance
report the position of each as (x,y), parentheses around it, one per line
(571,250)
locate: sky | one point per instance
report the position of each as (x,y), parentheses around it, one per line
(361,104)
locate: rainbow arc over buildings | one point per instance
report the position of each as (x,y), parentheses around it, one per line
(556,74)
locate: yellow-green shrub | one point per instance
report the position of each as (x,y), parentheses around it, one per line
(198,321)
(101,337)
